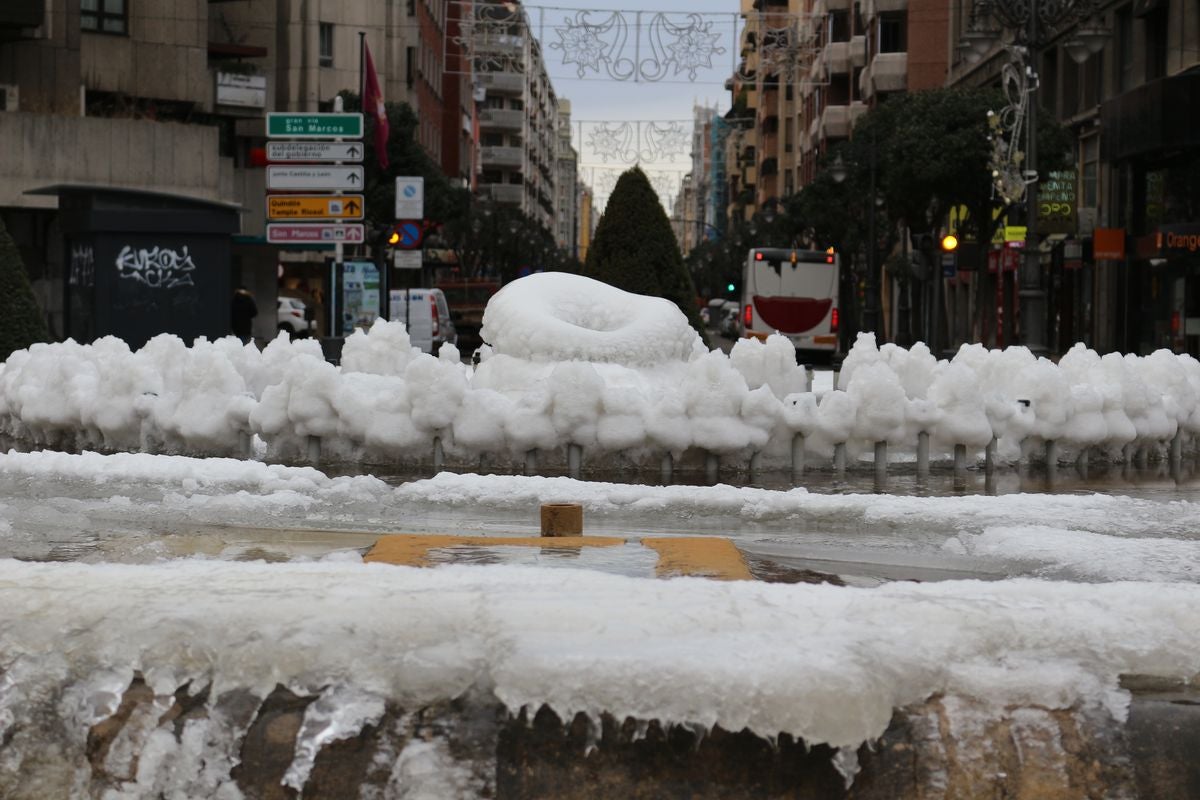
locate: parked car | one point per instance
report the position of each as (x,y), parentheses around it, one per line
(431,325)
(294,317)
(729,325)
(467,300)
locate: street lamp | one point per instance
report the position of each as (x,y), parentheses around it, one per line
(871,310)
(1032,24)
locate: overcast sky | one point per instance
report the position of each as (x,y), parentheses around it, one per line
(596,98)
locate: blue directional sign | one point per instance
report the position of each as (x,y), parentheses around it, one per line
(410,235)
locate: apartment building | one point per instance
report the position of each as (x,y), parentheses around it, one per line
(566,185)
(1121,265)
(138,105)
(518,115)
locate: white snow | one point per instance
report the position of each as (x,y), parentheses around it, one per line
(575,362)
(821,662)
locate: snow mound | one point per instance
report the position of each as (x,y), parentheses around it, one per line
(555,316)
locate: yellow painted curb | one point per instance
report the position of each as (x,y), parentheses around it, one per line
(412,550)
(699,556)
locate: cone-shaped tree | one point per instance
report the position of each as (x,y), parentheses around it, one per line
(21,322)
(635,249)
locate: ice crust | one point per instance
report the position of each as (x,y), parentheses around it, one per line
(821,662)
(573,361)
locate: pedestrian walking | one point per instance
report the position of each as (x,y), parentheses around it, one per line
(243,313)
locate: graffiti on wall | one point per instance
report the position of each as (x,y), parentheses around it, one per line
(157,268)
(83,265)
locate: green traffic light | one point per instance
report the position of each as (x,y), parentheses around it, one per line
(729,288)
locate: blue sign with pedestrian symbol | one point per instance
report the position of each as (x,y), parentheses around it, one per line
(410,235)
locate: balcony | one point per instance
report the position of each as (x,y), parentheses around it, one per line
(834,122)
(502,83)
(504,193)
(770,167)
(505,157)
(488,41)
(857,109)
(888,72)
(836,58)
(501,119)
(858,51)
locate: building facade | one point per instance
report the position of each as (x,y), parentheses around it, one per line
(1121,268)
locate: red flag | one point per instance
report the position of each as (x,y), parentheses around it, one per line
(373,107)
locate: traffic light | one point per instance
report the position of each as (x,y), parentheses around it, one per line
(394,236)
(949,243)
(730,288)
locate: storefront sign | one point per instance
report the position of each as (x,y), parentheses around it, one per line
(1178,239)
(1056,203)
(1108,244)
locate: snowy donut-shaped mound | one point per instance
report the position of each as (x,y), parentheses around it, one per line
(556,316)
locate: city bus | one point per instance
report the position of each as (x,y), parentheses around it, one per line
(793,293)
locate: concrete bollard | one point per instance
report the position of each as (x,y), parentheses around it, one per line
(960,460)
(244,444)
(314,450)
(439,455)
(1143,457)
(923,455)
(881,460)
(839,459)
(562,519)
(989,456)
(755,462)
(1051,453)
(797,457)
(575,461)
(1177,448)
(1081,462)
(712,467)
(808,377)
(666,469)
(531,461)
(1127,452)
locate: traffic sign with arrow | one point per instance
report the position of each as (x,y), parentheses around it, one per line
(314,207)
(320,233)
(314,151)
(316,177)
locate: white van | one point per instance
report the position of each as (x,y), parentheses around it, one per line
(431,325)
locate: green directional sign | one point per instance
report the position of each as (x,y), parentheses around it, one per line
(283,125)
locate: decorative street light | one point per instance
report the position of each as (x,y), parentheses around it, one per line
(1032,25)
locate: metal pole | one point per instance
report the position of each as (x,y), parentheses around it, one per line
(871,313)
(1032,292)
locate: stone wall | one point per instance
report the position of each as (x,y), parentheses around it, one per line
(947,747)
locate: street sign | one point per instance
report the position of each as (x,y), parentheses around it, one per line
(284,125)
(327,233)
(314,151)
(406,259)
(410,235)
(410,198)
(314,177)
(299,206)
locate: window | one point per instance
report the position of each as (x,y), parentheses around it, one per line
(1156,43)
(1089,155)
(325,36)
(891,32)
(104,16)
(839,27)
(1124,65)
